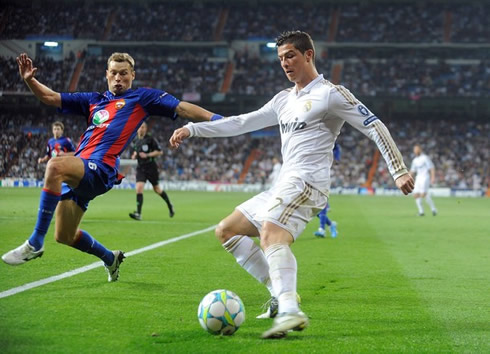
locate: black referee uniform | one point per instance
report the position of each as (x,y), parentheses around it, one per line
(147,170)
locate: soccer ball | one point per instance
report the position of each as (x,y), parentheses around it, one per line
(221,312)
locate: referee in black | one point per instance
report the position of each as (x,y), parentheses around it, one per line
(146,149)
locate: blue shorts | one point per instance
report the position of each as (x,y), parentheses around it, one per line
(98,179)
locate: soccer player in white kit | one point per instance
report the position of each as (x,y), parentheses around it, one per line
(425,172)
(309,116)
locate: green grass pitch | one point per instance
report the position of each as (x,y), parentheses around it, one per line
(391,282)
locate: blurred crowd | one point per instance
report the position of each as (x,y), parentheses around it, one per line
(460,151)
(177,74)
(217,20)
(189,73)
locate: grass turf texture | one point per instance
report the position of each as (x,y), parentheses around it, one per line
(391,281)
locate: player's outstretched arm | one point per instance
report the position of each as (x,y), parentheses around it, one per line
(191,111)
(42,92)
(405,183)
(178,137)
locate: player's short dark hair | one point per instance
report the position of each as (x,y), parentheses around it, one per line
(58,124)
(299,39)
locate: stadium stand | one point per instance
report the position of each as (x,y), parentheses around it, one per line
(416,64)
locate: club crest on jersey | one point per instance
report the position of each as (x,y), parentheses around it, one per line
(144,148)
(120,104)
(100,117)
(307,106)
(291,126)
(363,110)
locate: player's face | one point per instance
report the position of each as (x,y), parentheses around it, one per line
(417,150)
(119,76)
(57,131)
(293,62)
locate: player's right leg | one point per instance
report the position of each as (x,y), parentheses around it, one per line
(136,215)
(67,169)
(322,215)
(235,232)
(418,203)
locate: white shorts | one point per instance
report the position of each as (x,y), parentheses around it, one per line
(290,204)
(421,185)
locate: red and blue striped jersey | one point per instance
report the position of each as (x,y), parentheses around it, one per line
(113,120)
(55,146)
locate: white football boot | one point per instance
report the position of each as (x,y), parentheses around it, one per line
(272,306)
(285,322)
(113,269)
(22,254)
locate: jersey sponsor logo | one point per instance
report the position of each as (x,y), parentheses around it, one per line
(120,104)
(307,106)
(291,126)
(369,120)
(363,110)
(100,117)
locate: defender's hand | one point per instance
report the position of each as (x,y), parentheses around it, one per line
(26,70)
(178,137)
(405,183)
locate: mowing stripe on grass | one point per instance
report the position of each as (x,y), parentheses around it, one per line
(86,268)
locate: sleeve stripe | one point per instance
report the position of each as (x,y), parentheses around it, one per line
(395,157)
(347,95)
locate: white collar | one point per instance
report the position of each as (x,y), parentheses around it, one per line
(308,87)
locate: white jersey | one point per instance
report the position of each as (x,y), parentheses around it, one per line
(309,121)
(422,165)
(276,170)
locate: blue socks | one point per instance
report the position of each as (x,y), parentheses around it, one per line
(47,205)
(324,220)
(87,243)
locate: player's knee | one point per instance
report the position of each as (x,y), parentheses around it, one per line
(54,168)
(224,232)
(157,189)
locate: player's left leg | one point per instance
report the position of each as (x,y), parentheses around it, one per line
(164,196)
(68,217)
(276,243)
(431,204)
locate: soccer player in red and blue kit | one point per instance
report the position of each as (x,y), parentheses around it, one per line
(71,182)
(58,145)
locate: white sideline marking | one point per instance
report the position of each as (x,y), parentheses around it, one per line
(86,268)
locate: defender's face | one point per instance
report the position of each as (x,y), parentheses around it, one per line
(417,150)
(293,62)
(57,131)
(119,77)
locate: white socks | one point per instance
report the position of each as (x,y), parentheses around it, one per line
(282,270)
(418,201)
(249,255)
(429,201)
